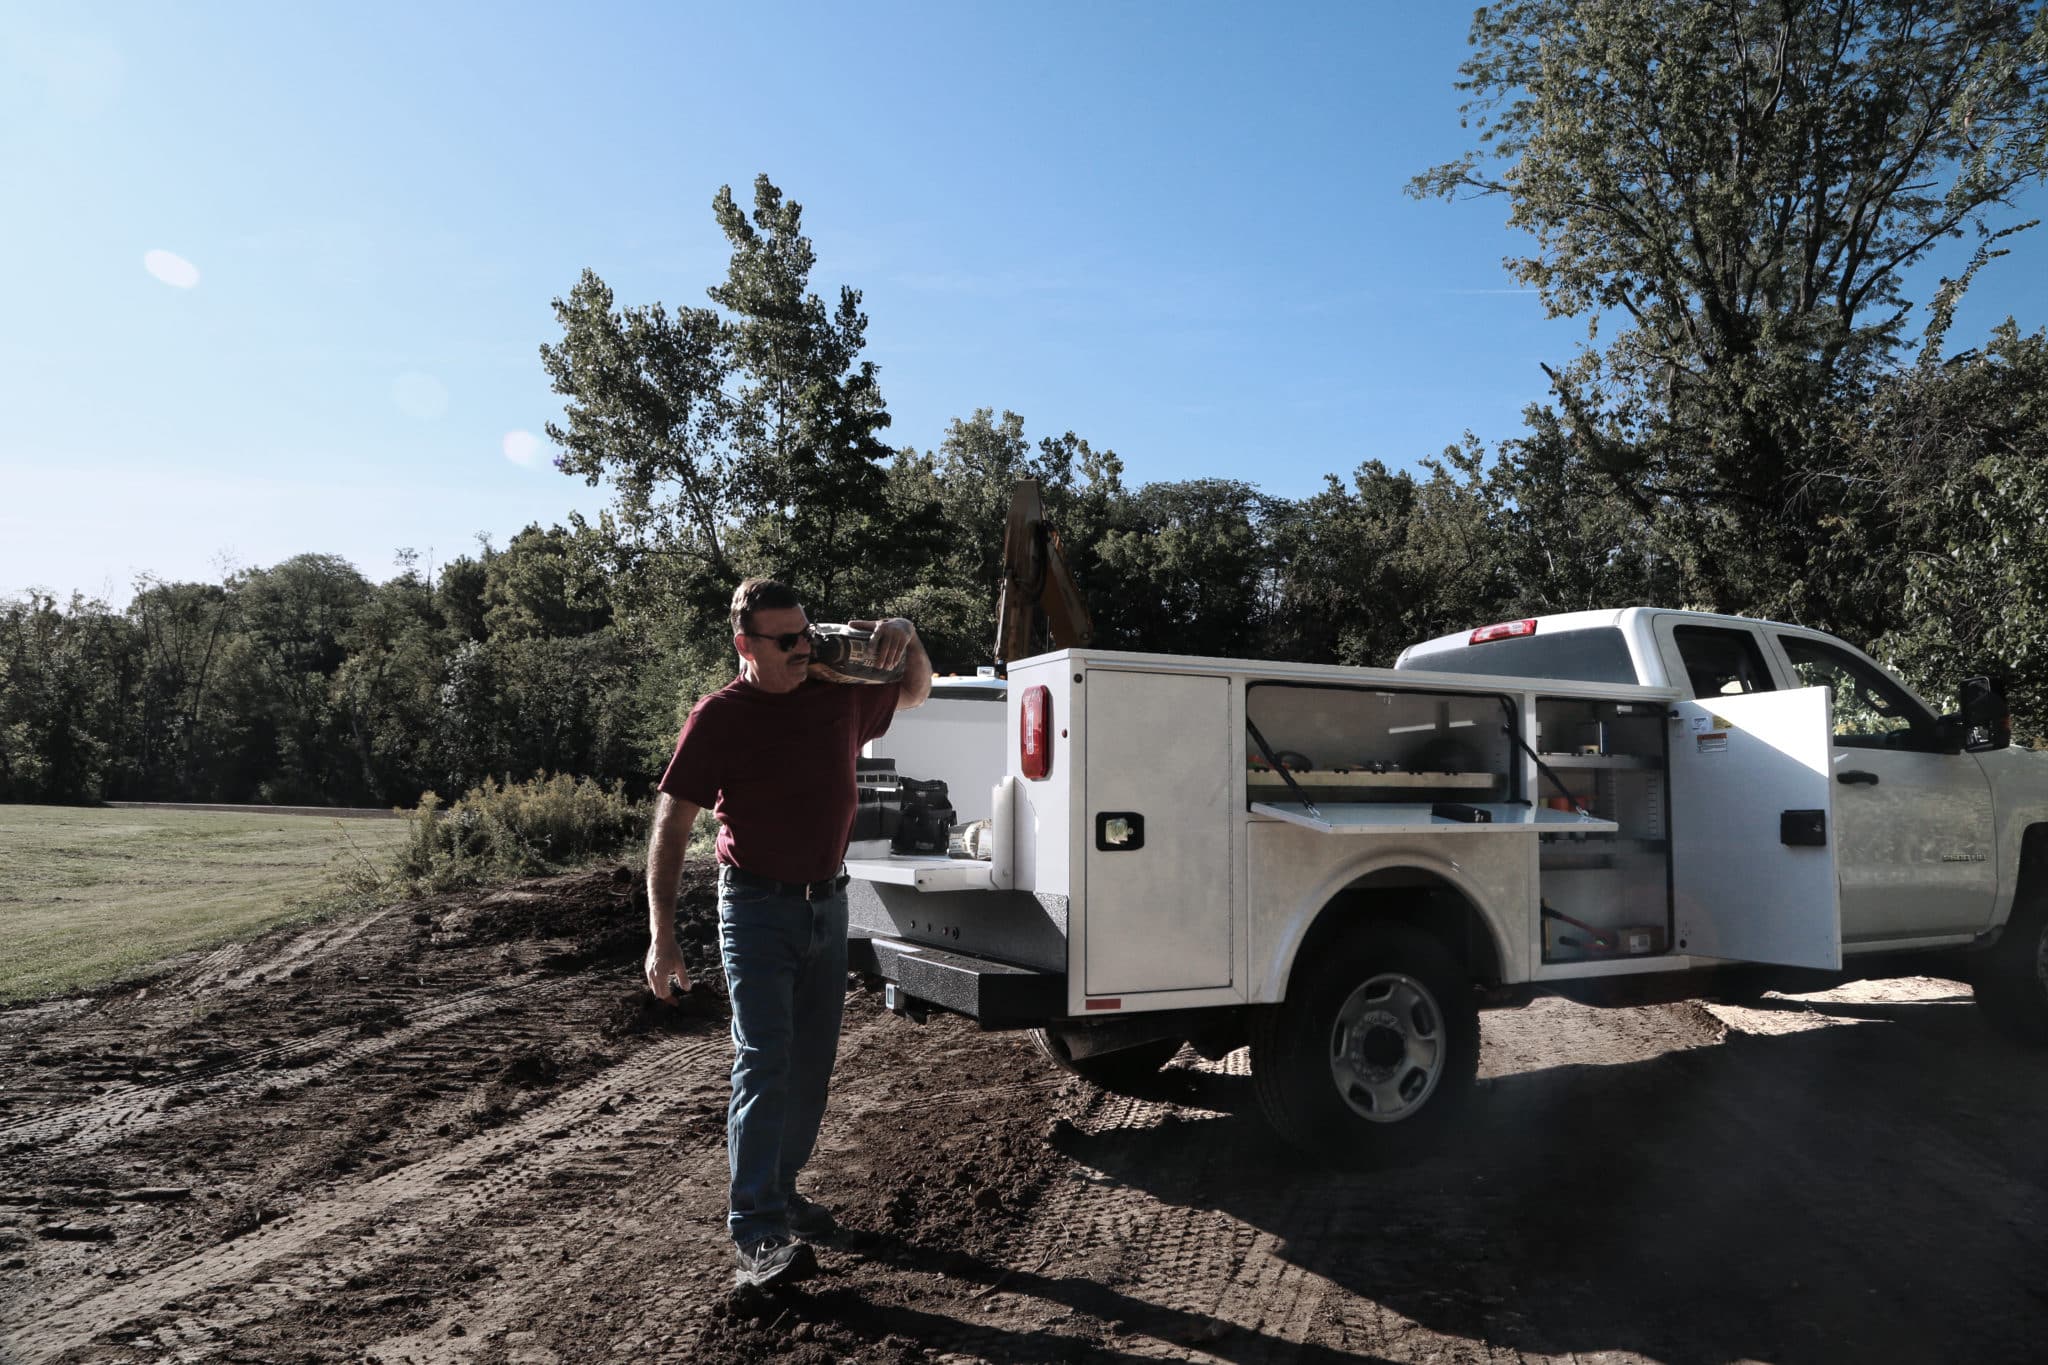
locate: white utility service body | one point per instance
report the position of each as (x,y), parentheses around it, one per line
(1160,865)
(1338,866)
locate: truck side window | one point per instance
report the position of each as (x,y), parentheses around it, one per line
(1721,662)
(1871,711)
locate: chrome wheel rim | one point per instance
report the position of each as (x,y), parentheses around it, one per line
(1388,1048)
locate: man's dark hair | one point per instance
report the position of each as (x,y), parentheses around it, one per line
(759,594)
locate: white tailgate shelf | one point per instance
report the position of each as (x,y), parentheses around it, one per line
(1417,818)
(926,874)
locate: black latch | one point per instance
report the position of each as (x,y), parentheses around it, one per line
(1803,828)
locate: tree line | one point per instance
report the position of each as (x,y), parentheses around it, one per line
(1738,194)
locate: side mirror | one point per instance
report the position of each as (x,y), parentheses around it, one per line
(1985,719)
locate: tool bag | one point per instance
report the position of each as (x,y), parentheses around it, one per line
(924,818)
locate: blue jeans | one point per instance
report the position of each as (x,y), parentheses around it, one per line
(785,965)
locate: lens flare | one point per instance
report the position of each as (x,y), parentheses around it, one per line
(173,269)
(521,447)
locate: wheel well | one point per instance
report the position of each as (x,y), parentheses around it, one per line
(2030,884)
(1412,897)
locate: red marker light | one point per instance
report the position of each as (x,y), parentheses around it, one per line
(1506,630)
(1034,734)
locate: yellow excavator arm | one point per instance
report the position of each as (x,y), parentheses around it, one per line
(1039,596)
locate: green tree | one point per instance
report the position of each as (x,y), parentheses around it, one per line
(1187,561)
(387,687)
(459,597)
(648,412)
(1562,540)
(184,631)
(65,675)
(1361,571)
(949,510)
(1952,462)
(294,621)
(807,412)
(1744,187)
(546,584)
(741,437)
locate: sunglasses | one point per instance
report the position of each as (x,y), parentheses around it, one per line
(784,642)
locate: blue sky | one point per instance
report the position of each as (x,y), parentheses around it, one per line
(1177,230)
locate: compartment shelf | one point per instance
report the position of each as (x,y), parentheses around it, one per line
(926,874)
(1602,760)
(1324,777)
(1418,817)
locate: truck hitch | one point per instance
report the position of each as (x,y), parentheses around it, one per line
(910,1007)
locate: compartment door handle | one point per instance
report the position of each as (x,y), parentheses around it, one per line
(1856,777)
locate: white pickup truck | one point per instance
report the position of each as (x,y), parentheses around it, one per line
(1341,866)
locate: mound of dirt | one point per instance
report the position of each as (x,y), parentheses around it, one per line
(599,913)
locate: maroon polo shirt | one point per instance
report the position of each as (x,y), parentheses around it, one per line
(777,769)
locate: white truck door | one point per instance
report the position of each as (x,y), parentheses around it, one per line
(1916,818)
(1750,796)
(1159,798)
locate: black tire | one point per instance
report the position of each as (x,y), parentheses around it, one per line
(1374,1051)
(1121,1072)
(2012,981)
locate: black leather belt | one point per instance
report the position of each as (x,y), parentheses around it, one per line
(810,891)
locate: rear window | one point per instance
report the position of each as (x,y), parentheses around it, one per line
(968,692)
(1599,654)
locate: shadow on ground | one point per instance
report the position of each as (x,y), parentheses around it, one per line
(1868,1188)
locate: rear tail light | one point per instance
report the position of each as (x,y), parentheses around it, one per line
(1506,630)
(1034,734)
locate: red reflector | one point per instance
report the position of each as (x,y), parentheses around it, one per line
(1113,1003)
(1506,630)
(1034,734)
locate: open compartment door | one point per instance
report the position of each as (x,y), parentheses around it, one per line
(1753,829)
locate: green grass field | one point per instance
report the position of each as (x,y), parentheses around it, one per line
(90,896)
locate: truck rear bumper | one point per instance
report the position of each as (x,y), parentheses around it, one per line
(995,994)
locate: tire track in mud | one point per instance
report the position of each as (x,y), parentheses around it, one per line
(302,949)
(129,1107)
(323,1246)
(1173,1277)
(698,1269)
(1207,1260)
(667,1236)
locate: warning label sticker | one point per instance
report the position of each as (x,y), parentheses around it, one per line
(1715,743)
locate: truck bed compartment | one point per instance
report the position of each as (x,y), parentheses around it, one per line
(1606,897)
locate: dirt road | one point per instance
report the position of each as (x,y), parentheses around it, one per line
(457,1132)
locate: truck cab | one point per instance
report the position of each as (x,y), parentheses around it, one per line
(1921,812)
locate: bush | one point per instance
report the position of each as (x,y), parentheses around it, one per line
(500,831)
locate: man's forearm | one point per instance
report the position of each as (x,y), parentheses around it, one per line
(917,676)
(666,848)
(917,665)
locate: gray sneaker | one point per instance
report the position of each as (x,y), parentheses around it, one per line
(808,1218)
(773,1262)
